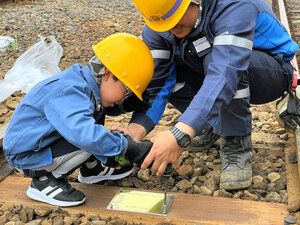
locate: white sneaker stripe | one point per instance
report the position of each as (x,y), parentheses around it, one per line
(110,172)
(48,189)
(54,193)
(104,171)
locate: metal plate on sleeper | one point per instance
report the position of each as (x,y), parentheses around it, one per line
(141,202)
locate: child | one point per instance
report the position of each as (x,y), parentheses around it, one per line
(58,125)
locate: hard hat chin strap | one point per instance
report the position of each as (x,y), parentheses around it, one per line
(97,69)
(199,17)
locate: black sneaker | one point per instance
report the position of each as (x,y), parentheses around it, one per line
(204,141)
(55,192)
(100,173)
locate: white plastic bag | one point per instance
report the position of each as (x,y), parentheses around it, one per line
(39,62)
(5,42)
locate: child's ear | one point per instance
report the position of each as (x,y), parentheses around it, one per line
(106,75)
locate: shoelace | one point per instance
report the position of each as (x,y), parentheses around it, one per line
(231,151)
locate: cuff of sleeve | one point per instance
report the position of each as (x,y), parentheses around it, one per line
(198,124)
(142,119)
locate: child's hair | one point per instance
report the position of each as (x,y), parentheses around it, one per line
(114,78)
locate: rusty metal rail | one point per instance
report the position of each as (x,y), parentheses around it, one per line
(284,20)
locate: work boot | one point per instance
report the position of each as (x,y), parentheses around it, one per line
(204,141)
(236,155)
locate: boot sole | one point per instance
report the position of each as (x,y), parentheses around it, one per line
(39,196)
(97,179)
(230,186)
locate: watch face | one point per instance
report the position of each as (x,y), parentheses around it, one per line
(184,140)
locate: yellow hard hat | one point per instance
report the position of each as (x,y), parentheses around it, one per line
(162,15)
(128,58)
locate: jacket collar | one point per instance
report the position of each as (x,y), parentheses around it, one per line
(89,77)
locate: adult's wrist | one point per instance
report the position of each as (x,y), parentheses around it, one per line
(186,129)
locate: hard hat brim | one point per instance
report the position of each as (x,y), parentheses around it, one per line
(109,51)
(168,24)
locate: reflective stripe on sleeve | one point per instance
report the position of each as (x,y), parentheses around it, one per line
(160,54)
(243,93)
(234,41)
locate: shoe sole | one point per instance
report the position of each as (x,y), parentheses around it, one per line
(97,179)
(230,186)
(39,196)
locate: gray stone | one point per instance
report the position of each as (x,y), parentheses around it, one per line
(273,177)
(265,165)
(223,193)
(35,222)
(68,220)
(205,190)
(202,178)
(211,184)
(99,222)
(58,220)
(257,179)
(193,180)
(250,196)
(290,220)
(280,131)
(15,218)
(5,217)
(117,222)
(197,172)
(23,216)
(260,185)
(273,197)
(237,194)
(11,104)
(196,189)
(42,211)
(144,175)
(185,170)
(284,137)
(284,196)
(185,155)
(184,185)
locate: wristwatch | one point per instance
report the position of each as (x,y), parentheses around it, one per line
(182,138)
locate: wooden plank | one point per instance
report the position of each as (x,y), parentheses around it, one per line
(186,209)
(292,175)
(297,150)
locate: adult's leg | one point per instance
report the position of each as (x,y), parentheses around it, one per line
(266,79)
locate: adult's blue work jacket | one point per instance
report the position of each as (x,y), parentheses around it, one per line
(229,30)
(61,106)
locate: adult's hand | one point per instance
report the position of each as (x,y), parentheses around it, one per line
(136,131)
(164,150)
